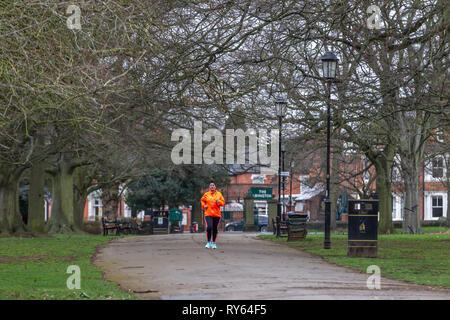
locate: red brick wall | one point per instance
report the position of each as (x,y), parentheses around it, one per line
(188,212)
(86,210)
(240,185)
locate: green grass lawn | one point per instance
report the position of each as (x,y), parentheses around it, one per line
(421,259)
(35,268)
(425,230)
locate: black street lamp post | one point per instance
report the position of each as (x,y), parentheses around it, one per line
(283,152)
(290,188)
(329,63)
(281,102)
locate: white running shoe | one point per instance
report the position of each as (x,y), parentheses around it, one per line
(214,245)
(208,245)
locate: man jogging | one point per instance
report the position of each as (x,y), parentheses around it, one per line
(211,203)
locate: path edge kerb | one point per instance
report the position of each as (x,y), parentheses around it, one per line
(315,255)
(94,258)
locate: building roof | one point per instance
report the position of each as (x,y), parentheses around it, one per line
(308,193)
(233,206)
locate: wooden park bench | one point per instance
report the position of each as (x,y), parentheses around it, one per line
(296,227)
(125,227)
(110,225)
(146,227)
(136,228)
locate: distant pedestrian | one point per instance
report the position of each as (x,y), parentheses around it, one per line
(211,203)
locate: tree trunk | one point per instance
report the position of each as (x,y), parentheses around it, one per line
(133,213)
(110,201)
(411,216)
(63,214)
(383,164)
(80,194)
(384,192)
(79,203)
(36,210)
(197,214)
(413,134)
(10,218)
(61,220)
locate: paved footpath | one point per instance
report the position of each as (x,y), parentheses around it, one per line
(177,266)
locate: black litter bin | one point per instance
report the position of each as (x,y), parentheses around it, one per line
(362,228)
(160,222)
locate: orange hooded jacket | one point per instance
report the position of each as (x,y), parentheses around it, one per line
(209,199)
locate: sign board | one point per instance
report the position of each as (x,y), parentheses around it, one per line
(261,193)
(284,173)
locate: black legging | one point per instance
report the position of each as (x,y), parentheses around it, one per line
(211,227)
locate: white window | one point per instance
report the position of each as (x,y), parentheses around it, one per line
(396,175)
(394,208)
(437,208)
(97,209)
(397,207)
(435,204)
(438,167)
(95,205)
(401,207)
(366,173)
(46,209)
(299,206)
(262,207)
